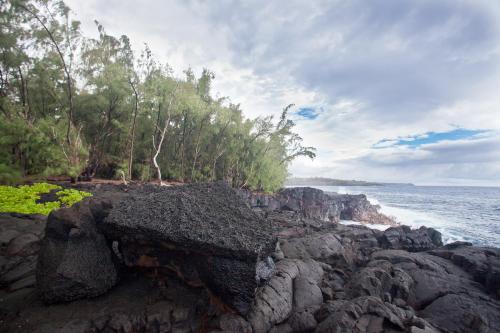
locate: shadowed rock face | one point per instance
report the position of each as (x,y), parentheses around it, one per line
(313,203)
(203,232)
(74,260)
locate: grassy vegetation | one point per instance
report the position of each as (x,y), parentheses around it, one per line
(23,199)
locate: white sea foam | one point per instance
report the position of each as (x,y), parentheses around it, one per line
(416,219)
(470,214)
(381,227)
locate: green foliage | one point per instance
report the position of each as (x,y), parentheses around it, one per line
(23,199)
(125,111)
(8,174)
(68,197)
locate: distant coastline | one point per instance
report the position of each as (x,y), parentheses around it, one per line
(322,181)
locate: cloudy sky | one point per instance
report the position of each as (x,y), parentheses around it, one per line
(387,90)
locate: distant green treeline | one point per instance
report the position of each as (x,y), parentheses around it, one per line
(321,181)
(72,105)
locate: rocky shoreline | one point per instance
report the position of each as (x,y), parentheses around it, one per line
(205,258)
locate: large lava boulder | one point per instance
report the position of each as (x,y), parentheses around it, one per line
(203,232)
(74,259)
(412,240)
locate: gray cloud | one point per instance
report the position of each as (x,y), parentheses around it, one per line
(379,69)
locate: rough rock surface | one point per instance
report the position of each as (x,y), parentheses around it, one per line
(313,203)
(75,260)
(327,278)
(413,240)
(204,232)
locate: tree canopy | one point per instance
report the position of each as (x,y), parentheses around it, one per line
(72,105)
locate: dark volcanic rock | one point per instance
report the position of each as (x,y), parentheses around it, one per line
(74,260)
(482,262)
(314,204)
(413,240)
(368,314)
(204,232)
(326,277)
(463,313)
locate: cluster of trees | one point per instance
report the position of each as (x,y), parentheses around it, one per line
(71,105)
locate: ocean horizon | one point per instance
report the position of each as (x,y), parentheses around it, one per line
(460,213)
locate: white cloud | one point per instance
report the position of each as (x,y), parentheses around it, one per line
(378,70)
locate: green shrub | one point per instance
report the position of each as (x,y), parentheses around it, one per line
(22,199)
(69,197)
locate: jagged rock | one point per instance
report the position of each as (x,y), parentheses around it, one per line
(360,315)
(273,302)
(433,276)
(74,260)
(413,240)
(436,279)
(321,246)
(463,313)
(315,204)
(380,278)
(204,232)
(293,289)
(327,277)
(482,262)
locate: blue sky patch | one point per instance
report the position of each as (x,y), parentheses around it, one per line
(308,113)
(430,137)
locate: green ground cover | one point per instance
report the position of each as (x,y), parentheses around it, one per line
(23,199)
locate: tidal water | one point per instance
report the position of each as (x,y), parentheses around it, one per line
(469,214)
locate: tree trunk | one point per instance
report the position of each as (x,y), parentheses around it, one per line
(162,136)
(132,134)
(65,68)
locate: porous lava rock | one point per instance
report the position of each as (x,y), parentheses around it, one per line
(74,260)
(204,233)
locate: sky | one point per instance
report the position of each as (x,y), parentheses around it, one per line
(386,90)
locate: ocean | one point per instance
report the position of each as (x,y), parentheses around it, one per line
(470,214)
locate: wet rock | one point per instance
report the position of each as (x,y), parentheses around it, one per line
(74,260)
(412,240)
(204,232)
(358,208)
